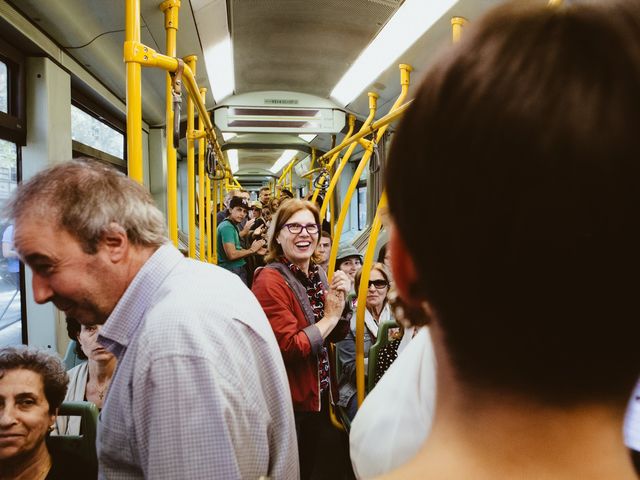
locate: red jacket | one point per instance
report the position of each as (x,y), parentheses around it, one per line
(299,347)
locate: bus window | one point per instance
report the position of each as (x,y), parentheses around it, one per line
(11,324)
(4,88)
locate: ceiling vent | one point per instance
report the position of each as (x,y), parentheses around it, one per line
(279,112)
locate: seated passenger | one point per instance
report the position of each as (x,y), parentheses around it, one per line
(522,149)
(377,312)
(306,312)
(32,386)
(90,380)
(349,260)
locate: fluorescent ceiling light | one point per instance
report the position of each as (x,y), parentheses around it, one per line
(228,135)
(211,18)
(402,30)
(308,137)
(232,155)
(284,159)
(219,60)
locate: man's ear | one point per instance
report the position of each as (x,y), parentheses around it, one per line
(405,274)
(115,242)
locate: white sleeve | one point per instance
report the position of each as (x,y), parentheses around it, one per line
(395,418)
(632,421)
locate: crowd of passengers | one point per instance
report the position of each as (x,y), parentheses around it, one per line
(514,292)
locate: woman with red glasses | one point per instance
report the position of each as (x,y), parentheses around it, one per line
(306,312)
(377,312)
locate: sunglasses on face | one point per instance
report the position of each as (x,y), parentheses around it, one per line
(378,284)
(296,228)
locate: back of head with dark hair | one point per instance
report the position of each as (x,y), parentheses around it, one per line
(522,148)
(73,330)
(48,366)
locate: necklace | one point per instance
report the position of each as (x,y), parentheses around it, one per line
(102,391)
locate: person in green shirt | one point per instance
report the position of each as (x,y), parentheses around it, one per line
(231,255)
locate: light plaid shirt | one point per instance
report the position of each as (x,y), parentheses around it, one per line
(200,390)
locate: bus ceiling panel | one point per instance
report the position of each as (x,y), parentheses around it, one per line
(421,55)
(304,46)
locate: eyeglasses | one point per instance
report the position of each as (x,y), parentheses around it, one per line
(295,228)
(378,284)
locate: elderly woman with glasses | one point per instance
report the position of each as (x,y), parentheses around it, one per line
(377,312)
(306,312)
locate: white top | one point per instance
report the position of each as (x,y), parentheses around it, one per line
(632,421)
(395,418)
(78,376)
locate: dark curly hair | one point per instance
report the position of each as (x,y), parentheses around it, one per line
(50,368)
(73,330)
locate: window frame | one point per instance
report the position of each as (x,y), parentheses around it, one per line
(13,123)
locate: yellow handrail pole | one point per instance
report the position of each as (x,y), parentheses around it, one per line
(405,71)
(137,52)
(201,182)
(171,9)
(287,170)
(362,295)
(373,103)
(191,170)
(134,94)
(457,23)
(332,207)
(209,191)
(352,125)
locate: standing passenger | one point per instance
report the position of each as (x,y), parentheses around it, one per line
(200,390)
(232,255)
(306,313)
(324,250)
(526,257)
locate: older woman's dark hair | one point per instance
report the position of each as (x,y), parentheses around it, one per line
(49,367)
(522,149)
(73,330)
(282,216)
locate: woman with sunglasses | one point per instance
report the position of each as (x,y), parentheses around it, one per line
(377,312)
(306,313)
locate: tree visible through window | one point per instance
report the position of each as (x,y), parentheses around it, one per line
(4,88)
(96,134)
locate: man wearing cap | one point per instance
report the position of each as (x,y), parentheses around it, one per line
(349,260)
(231,255)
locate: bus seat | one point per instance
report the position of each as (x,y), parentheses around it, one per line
(381,341)
(83,445)
(70,358)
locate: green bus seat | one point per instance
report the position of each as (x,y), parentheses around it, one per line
(83,445)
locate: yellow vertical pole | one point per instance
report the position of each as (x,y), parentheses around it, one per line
(332,208)
(201,190)
(352,124)
(457,23)
(373,101)
(171,9)
(191,171)
(362,294)
(134,94)
(212,191)
(405,71)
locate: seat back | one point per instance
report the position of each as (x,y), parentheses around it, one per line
(70,358)
(381,341)
(83,445)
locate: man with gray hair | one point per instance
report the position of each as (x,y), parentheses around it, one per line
(200,390)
